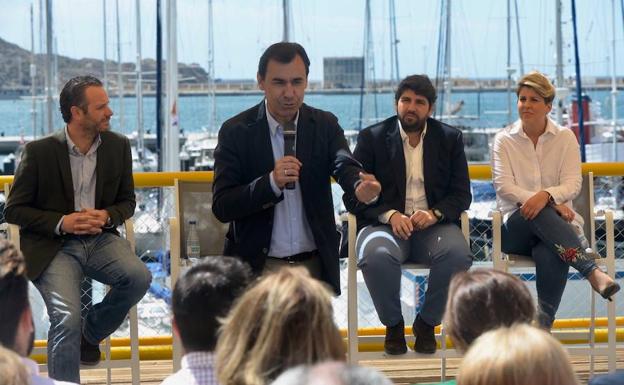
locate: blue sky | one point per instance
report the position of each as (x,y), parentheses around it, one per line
(244,28)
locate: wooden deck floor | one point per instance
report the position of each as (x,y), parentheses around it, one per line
(400,371)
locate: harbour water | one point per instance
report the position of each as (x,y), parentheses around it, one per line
(486,109)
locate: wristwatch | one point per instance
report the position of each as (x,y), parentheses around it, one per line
(438,214)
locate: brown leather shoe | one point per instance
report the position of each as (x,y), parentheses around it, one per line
(394,343)
(425,337)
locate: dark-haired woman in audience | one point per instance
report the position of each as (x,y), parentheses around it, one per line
(536,170)
(481,300)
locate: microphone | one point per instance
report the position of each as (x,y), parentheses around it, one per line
(290,138)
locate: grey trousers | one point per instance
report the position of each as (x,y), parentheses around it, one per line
(380,255)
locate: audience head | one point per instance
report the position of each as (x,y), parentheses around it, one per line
(285,320)
(480,300)
(539,83)
(518,355)
(203,295)
(12,369)
(16,325)
(331,373)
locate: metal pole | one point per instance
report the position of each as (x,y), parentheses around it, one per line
(614,90)
(139,85)
(159,92)
(105,35)
(509,69)
(559,67)
(212,98)
(447,62)
(520,56)
(33,74)
(120,92)
(49,64)
(172,135)
(579,96)
(286,21)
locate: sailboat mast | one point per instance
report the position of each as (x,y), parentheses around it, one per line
(509,69)
(120,92)
(33,74)
(212,100)
(139,85)
(49,64)
(286,12)
(172,134)
(559,66)
(579,87)
(520,56)
(447,62)
(105,35)
(394,43)
(613,85)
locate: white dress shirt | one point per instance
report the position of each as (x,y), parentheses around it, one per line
(291,232)
(415,197)
(37,379)
(520,169)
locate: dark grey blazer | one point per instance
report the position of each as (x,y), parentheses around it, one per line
(242,189)
(42,192)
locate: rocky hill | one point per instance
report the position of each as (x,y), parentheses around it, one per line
(15,69)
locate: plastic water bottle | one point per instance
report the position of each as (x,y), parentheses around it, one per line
(192,241)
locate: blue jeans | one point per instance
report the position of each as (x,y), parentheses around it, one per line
(106,258)
(538,238)
(380,255)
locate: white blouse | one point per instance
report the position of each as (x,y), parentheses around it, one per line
(519,169)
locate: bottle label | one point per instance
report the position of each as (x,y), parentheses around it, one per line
(192,251)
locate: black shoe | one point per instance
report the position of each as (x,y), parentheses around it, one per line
(395,339)
(425,337)
(89,353)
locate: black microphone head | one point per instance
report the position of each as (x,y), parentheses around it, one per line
(290,134)
(289,128)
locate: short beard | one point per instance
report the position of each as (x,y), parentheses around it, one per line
(418,126)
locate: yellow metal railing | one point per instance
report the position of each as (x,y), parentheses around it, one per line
(477,172)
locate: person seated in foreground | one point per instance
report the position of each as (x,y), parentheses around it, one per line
(331,373)
(616,378)
(536,170)
(17,330)
(12,369)
(202,295)
(481,300)
(516,355)
(285,320)
(485,299)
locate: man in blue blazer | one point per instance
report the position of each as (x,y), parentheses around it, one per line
(422,168)
(280,206)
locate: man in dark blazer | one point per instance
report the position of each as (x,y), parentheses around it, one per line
(71,190)
(280,207)
(422,168)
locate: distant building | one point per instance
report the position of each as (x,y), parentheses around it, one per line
(342,72)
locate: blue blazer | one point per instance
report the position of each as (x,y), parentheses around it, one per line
(242,193)
(447,185)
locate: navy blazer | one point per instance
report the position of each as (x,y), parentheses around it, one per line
(447,185)
(242,193)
